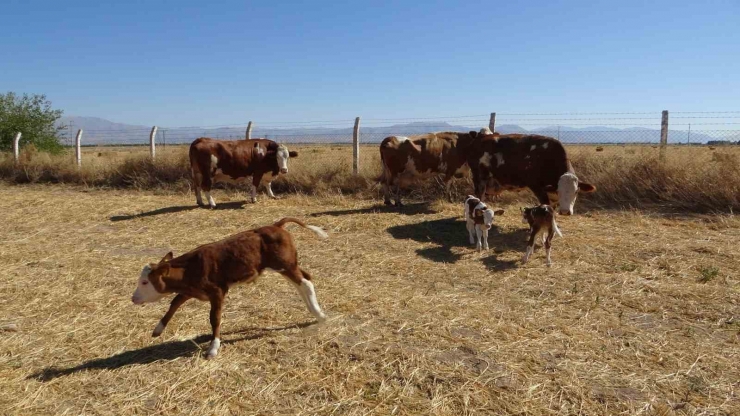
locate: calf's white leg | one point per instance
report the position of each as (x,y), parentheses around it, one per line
(309,295)
(269,190)
(470,225)
(485,239)
(479,235)
(211,202)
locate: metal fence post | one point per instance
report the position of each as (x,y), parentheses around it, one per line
(152,135)
(78,150)
(249,131)
(663,133)
(356,147)
(16,151)
(492,122)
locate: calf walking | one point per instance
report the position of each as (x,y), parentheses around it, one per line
(207,272)
(478,220)
(540,218)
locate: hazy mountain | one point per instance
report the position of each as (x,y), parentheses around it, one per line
(101,131)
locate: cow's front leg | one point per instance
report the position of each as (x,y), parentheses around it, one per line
(485,238)
(530,243)
(176,303)
(470,225)
(256,179)
(216,305)
(478,234)
(269,190)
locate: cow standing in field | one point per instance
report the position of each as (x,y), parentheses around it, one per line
(407,158)
(230,161)
(207,272)
(540,219)
(478,220)
(515,161)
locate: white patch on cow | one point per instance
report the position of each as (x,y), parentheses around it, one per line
(401,139)
(213,349)
(567,192)
(485,160)
(211,202)
(145,292)
(158,329)
(260,151)
(282,158)
(309,295)
(410,167)
(544,145)
(532,147)
(499,159)
(214,161)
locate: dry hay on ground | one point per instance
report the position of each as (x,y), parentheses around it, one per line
(638,314)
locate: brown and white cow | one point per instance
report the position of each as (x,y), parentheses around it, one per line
(515,161)
(407,158)
(207,272)
(231,161)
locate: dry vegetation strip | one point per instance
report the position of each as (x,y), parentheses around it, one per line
(638,314)
(697,179)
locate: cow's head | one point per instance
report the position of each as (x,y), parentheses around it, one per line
(487,214)
(283,155)
(150,287)
(567,190)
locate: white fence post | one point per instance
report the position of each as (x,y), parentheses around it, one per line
(152,136)
(356,147)
(663,133)
(492,122)
(78,151)
(249,131)
(16,152)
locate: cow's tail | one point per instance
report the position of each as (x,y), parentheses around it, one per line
(555,227)
(386,173)
(321,233)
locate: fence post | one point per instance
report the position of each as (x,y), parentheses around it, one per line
(78,150)
(492,122)
(16,152)
(663,133)
(249,131)
(356,147)
(152,135)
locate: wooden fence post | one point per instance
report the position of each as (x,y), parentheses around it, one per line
(249,131)
(16,151)
(152,136)
(356,147)
(78,150)
(663,133)
(492,122)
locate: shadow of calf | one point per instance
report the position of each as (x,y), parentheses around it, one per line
(410,209)
(166,351)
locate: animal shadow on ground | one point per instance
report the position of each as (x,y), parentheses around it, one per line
(514,240)
(410,209)
(165,351)
(172,210)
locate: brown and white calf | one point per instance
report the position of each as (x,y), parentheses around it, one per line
(540,219)
(207,272)
(478,220)
(231,161)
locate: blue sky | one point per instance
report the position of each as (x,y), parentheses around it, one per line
(181,63)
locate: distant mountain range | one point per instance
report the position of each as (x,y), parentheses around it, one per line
(103,132)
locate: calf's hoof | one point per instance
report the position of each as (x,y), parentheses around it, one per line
(158,330)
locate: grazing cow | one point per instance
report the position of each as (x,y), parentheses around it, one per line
(515,161)
(230,161)
(405,158)
(540,218)
(207,272)
(478,220)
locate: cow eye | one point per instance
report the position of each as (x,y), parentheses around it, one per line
(145,283)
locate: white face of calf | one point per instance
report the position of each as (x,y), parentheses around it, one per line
(282,158)
(145,291)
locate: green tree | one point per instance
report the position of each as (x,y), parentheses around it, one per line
(33,116)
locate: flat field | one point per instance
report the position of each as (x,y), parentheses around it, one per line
(640,312)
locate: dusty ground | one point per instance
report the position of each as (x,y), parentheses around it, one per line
(639,314)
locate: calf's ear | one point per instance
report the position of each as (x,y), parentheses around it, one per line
(473,134)
(499,212)
(293,153)
(586,187)
(155,278)
(167,257)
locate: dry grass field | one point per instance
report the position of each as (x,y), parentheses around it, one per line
(640,313)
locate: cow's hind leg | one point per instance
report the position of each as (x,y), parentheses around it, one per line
(197,180)
(207,184)
(530,244)
(548,245)
(302,280)
(398,193)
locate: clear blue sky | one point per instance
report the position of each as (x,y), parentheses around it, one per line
(182,63)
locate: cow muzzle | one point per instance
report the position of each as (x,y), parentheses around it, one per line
(283,170)
(566,212)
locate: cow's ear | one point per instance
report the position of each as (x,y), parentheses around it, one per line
(473,134)
(155,277)
(293,153)
(167,257)
(499,212)
(551,188)
(586,187)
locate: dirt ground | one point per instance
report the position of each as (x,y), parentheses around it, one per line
(640,313)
